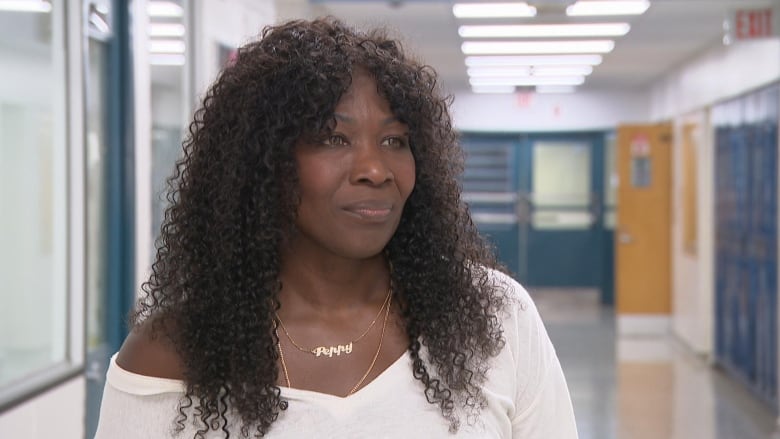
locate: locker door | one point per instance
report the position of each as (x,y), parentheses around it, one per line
(746,240)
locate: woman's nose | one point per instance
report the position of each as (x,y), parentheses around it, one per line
(369,165)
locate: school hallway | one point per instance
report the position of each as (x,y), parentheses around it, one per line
(646,387)
(631,184)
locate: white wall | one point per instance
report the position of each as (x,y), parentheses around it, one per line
(230,23)
(720,73)
(692,274)
(58,413)
(686,94)
(547,112)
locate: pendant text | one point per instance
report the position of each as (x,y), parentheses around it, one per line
(331,350)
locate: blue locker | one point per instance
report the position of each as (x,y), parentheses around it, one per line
(746,185)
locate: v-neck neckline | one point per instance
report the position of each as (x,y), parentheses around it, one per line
(380,382)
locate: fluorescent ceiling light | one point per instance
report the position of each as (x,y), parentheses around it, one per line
(486,72)
(532,47)
(166,59)
(556,89)
(533,60)
(502,89)
(25,5)
(166,30)
(164,9)
(529,80)
(545,30)
(488,10)
(166,46)
(608,7)
(562,71)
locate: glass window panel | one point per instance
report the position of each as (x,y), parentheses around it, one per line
(33,226)
(96,198)
(610,172)
(561,174)
(610,219)
(169,112)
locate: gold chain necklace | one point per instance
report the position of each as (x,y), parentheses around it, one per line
(345,349)
(370,367)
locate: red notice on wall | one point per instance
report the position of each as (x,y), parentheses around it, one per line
(754,23)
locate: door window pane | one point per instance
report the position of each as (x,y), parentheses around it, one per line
(561,185)
(33,225)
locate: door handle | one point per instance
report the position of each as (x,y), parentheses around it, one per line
(625,238)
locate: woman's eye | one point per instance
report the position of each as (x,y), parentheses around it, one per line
(335,140)
(395,142)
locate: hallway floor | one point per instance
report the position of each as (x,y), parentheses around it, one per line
(642,388)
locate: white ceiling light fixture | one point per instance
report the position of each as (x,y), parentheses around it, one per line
(533,60)
(494,89)
(493,10)
(25,6)
(562,71)
(166,46)
(557,89)
(166,59)
(536,47)
(166,30)
(164,9)
(486,72)
(545,30)
(607,7)
(529,80)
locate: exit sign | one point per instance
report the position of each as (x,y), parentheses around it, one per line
(748,24)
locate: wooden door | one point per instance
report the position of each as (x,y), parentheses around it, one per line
(643,232)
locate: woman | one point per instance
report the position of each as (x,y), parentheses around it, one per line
(318,274)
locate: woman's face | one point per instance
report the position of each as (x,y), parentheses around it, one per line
(353,186)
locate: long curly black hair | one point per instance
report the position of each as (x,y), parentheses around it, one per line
(214,283)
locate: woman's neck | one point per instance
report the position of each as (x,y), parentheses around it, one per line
(325,285)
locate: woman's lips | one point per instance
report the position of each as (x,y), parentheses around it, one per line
(372,211)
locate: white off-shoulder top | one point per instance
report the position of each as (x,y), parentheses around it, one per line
(526,392)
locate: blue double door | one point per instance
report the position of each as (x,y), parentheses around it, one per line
(545,202)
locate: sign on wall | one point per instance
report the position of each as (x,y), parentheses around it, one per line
(753,23)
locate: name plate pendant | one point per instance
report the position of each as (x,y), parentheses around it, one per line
(330,351)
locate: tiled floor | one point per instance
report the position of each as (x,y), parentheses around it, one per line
(643,388)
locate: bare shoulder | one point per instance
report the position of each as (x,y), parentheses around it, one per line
(149,354)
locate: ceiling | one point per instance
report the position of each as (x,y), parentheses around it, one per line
(667,35)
